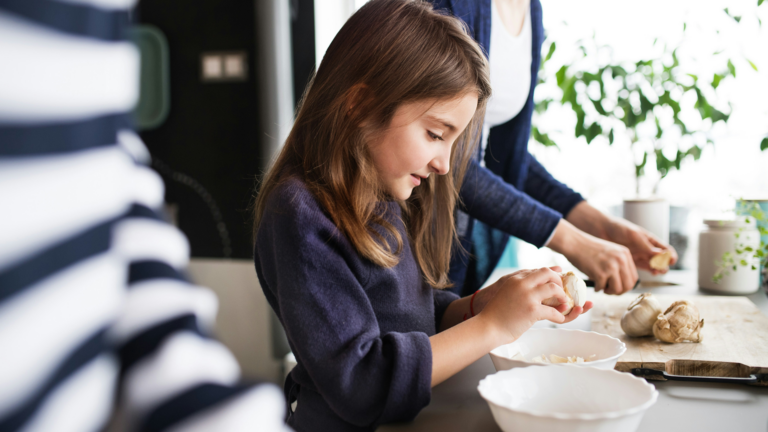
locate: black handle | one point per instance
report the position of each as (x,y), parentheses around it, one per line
(752,379)
(591,284)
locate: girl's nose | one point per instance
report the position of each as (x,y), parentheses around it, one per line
(441,164)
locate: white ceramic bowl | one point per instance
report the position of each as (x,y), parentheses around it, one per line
(555,399)
(562,342)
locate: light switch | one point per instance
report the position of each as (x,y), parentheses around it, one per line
(224,66)
(212,68)
(234,66)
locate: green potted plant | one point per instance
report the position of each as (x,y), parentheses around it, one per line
(644,93)
(646,105)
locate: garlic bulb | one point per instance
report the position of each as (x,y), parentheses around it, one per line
(575,291)
(639,317)
(661,261)
(679,323)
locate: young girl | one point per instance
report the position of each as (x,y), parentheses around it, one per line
(354,224)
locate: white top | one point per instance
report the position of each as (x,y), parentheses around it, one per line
(510,61)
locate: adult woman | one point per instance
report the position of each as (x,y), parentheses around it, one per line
(508,192)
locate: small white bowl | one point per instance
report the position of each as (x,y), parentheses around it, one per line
(567,399)
(561,342)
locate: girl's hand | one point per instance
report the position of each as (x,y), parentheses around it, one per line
(505,310)
(516,302)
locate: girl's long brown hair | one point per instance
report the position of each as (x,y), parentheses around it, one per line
(390,52)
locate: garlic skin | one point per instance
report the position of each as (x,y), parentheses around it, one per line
(639,317)
(575,292)
(679,323)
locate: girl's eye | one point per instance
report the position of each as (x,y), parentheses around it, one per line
(434,137)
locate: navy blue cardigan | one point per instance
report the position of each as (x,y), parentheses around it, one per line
(360,332)
(515,194)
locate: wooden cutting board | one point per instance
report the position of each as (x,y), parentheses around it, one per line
(735,337)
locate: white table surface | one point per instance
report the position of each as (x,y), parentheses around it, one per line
(457,406)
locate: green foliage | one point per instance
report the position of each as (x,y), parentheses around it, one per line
(552,48)
(735,17)
(647,91)
(542,138)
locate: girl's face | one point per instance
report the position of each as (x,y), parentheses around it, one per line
(418,142)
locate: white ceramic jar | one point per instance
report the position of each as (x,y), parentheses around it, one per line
(719,237)
(653,215)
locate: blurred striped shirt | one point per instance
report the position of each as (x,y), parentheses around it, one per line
(96,315)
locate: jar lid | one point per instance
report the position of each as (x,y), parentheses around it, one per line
(644,200)
(731,222)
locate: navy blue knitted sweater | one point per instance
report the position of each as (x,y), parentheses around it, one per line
(360,332)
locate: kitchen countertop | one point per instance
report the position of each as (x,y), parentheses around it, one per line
(457,406)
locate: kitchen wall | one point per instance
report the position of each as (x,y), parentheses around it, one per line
(243,323)
(221,132)
(208,149)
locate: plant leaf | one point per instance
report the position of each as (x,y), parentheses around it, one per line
(732,68)
(543,138)
(716,80)
(695,151)
(735,17)
(764,144)
(552,48)
(560,75)
(592,132)
(754,66)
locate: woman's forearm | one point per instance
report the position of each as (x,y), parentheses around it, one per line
(567,239)
(461,345)
(590,220)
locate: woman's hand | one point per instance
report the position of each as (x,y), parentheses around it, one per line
(514,302)
(642,244)
(610,265)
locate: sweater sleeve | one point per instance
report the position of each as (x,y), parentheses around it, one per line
(543,187)
(309,272)
(489,199)
(443,298)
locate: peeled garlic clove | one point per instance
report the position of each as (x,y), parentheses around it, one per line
(679,323)
(575,292)
(554,358)
(640,316)
(661,261)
